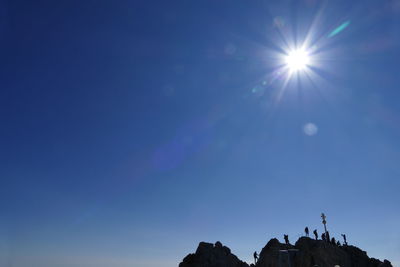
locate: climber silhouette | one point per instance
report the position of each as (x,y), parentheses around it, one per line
(307,232)
(286,237)
(255,257)
(316,234)
(333,241)
(344,238)
(338,243)
(328,238)
(323,237)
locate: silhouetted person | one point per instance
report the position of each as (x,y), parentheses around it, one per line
(307,232)
(344,238)
(286,237)
(316,234)
(333,241)
(338,243)
(255,257)
(328,238)
(323,237)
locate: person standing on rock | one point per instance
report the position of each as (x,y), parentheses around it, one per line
(328,238)
(316,234)
(323,237)
(333,241)
(255,255)
(344,238)
(307,232)
(286,237)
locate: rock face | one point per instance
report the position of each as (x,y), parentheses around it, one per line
(210,255)
(305,253)
(270,255)
(308,252)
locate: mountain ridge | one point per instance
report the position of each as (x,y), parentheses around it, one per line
(306,252)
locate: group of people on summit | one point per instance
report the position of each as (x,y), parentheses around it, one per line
(325,237)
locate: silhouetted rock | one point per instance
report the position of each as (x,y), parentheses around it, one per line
(269,255)
(309,252)
(306,252)
(209,255)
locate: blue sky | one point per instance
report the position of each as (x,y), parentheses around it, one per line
(132,130)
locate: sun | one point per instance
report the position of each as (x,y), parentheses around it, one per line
(297,60)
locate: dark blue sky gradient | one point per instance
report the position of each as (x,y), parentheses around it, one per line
(132,130)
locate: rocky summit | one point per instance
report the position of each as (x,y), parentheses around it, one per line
(306,252)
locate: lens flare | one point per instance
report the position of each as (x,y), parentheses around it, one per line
(339,29)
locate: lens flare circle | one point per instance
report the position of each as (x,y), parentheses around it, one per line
(310,129)
(297,59)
